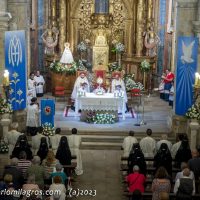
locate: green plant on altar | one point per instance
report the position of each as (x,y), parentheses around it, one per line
(114,67)
(4,106)
(118,48)
(58,67)
(145,66)
(48,129)
(193,112)
(3,147)
(80,65)
(104,118)
(131,84)
(82,47)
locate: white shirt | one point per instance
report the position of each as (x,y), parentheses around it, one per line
(168,143)
(180,175)
(32,116)
(148,146)
(171,96)
(127,144)
(55,140)
(175,148)
(74,141)
(58,187)
(31,87)
(78,84)
(177,184)
(39,83)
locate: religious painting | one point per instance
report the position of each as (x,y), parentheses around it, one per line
(101,6)
(187,55)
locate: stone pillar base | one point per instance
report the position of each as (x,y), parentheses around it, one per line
(20,117)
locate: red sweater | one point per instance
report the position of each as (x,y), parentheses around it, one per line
(136,182)
(169,76)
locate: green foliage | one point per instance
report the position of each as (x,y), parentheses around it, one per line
(5,107)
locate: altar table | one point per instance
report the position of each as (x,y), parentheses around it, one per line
(105,102)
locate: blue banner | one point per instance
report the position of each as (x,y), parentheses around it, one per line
(185,73)
(15,63)
(47,111)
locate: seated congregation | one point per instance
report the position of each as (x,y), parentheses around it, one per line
(160,170)
(40,163)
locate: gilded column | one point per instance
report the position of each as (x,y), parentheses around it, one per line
(53,13)
(149,12)
(62,24)
(129,37)
(140,27)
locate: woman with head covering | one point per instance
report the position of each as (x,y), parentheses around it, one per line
(43,149)
(136,157)
(22,145)
(183,154)
(63,153)
(163,158)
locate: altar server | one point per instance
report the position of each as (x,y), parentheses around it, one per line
(74,145)
(32,84)
(79,81)
(128,143)
(117,83)
(148,144)
(55,140)
(39,84)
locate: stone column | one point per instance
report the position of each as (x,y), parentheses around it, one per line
(5,124)
(194,126)
(140,27)
(62,24)
(129,37)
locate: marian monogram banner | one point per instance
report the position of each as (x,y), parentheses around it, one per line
(15,63)
(185,74)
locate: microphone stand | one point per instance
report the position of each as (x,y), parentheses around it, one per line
(142,121)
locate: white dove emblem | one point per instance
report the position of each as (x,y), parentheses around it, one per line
(187,53)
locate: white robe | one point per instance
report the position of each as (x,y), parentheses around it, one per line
(168,143)
(148,146)
(116,82)
(175,148)
(39,84)
(55,188)
(67,57)
(35,143)
(31,87)
(78,84)
(32,116)
(55,140)
(127,144)
(74,145)
(11,138)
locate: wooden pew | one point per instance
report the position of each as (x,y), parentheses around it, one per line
(69,169)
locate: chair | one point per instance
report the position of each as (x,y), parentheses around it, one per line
(59,91)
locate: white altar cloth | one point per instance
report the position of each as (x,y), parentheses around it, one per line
(105,102)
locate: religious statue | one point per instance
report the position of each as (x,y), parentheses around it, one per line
(50,39)
(67,57)
(151,40)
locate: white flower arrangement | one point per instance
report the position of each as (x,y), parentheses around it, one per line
(5,107)
(193,112)
(48,129)
(119,47)
(81,47)
(104,118)
(131,84)
(3,147)
(145,66)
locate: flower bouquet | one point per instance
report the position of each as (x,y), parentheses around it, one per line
(114,67)
(5,107)
(131,84)
(119,48)
(71,70)
(90,116)
(145,66)
(193,112)
(3,147)
(81,47)
(104,118)
(48,129)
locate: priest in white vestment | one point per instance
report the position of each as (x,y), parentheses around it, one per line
(55,140)
(148,144)
(128,143)
(32,85)
(74,141)
(12,136)
(39,84)
(82,79)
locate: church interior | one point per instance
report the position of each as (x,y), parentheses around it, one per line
(99,99)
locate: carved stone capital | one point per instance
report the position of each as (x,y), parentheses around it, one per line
(4,22)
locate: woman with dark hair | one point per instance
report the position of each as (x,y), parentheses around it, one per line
(160,183)
(22,145)
(163,158)
(43,149)
(63,153)
(136,157)
(183,154)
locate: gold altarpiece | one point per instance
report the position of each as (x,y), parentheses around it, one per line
(126,22)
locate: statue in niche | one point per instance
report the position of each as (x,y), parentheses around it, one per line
(101,6)
(50,39)
(151,41)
